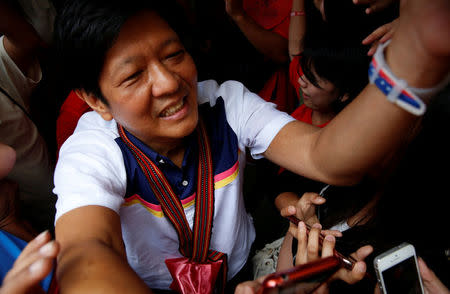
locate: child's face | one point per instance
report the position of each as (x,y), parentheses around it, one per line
(150,81)
(318,99)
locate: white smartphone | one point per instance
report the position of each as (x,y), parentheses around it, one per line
(398,272)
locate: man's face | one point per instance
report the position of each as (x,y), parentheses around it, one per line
(150,82)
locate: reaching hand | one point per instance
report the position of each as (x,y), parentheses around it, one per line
(305,210)
(380,35)
(309,250)
(374,5)
(431,283)
(33,264)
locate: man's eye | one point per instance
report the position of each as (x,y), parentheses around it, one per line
(133,76)
(175,54)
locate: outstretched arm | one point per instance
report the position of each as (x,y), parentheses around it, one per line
(268,43)
(92,258)
(297,28)
(370,127)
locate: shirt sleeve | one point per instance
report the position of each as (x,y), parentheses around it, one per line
(255,121)
(90,171)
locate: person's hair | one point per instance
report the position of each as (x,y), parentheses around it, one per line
(345,68)
(86,29)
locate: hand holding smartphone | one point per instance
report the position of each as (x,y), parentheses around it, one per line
(398,271)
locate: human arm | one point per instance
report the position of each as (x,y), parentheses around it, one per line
(297,28)
(370,127)
(33,264)
(268,43)
(93,258)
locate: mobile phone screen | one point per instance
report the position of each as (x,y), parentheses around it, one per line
(402,278)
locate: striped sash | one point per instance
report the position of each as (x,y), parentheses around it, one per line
(192,244)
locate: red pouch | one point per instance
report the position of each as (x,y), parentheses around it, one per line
(194,277)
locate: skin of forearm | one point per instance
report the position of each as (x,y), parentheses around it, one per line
(297,27)
(90,267)
(268,43)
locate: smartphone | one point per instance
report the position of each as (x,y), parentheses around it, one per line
(301,279)
(397,271)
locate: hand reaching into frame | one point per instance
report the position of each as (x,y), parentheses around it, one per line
(380,35)
(305,210)
(374,5)
(33,264)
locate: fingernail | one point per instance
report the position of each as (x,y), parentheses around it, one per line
(330,238)
(302,226)
(317,226)
(42,236)
(36,266)
(47,249)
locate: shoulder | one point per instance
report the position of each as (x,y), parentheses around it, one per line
(210,90)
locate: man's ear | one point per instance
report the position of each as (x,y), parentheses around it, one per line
(95,103)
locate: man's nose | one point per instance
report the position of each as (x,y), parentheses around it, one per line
(164,81)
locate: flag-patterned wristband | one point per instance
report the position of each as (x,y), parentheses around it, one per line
(395,89)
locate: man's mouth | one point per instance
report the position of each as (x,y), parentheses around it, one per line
(174,108)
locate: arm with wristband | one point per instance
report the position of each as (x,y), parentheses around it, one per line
(370,127)
(297,28)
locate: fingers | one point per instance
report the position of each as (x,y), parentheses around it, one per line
(359,269)
(302,237)
(374,5)
(380,35)
(328,245)
(313,242)
(334,233)
(250,287)
(431,282)
(32,265)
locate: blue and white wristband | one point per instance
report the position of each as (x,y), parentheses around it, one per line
(397,90)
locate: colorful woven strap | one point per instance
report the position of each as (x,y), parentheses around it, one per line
(192,244)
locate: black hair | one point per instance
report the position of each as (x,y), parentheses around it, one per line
(346,68)
(86,29)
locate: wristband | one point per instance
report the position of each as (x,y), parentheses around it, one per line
(397,90)
(297,13)
(394,88)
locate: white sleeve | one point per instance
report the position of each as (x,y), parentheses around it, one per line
(90,171)
(256,122)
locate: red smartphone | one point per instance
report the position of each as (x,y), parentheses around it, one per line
(304,278)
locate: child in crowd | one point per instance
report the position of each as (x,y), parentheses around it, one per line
(144,140)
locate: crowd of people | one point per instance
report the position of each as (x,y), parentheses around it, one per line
(126,128)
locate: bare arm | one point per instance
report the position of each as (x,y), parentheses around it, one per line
(268,43)
(297,28)
(92,258)
(370,127)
